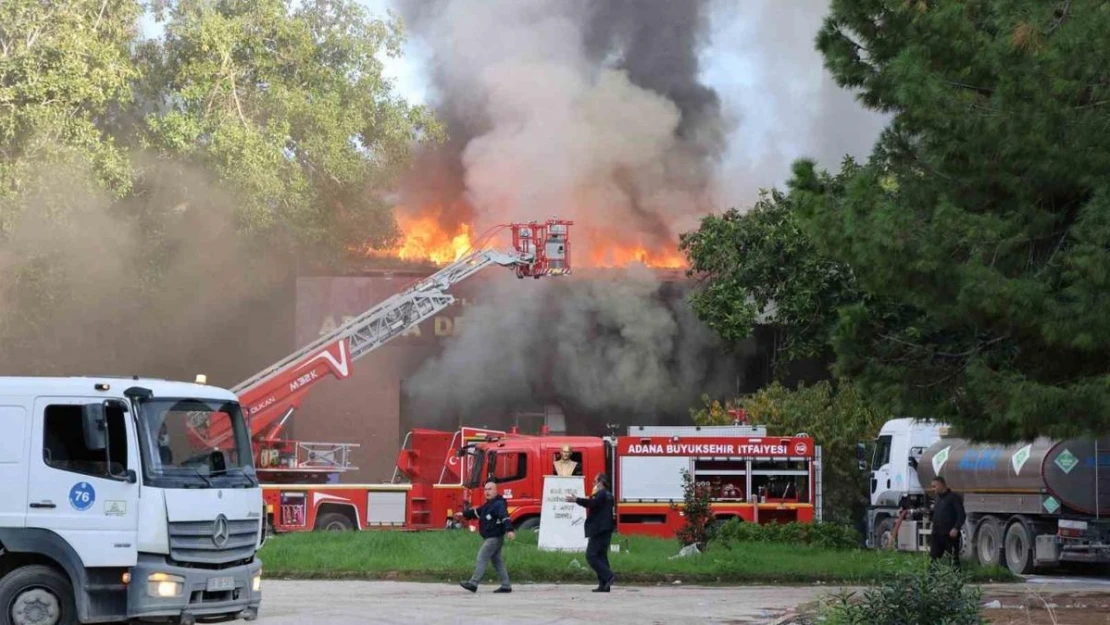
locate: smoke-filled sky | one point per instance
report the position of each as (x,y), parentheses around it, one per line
(759,57)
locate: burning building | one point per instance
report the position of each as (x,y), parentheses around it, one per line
(585,110)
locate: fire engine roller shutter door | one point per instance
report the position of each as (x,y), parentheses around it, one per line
(385,508)
(652,477)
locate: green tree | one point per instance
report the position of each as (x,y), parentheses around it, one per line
(150,192)
(65,68)
(983,215)
(759,267)
(837,417)
(697,515)
(287,103)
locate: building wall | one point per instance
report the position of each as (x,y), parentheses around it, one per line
(366,407)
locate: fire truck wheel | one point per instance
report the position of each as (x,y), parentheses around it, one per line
(37,594)
(530,525)
(334,522)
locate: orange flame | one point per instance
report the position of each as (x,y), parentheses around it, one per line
(426,239)
(623,255)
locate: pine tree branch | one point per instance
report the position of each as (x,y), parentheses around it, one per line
(1061,18)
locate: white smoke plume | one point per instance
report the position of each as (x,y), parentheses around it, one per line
(586,110)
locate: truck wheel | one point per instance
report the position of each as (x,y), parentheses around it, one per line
(1019,549)
(988,542)
(884,535)
(334,522)
(967,544)
(529,525)
(37,595)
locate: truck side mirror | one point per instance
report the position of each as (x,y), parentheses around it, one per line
(130,476)
(94,426)
(913,463)
(861,456)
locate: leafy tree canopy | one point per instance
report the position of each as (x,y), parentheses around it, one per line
(984,216)
(978,232)
(286,102)
(150,187)
(759,267)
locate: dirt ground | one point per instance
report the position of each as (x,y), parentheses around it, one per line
(1032,605)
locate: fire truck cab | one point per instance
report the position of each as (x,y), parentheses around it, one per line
(518,465)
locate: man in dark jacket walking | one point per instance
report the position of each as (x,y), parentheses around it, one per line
(493,525)
(948,519)
(599,530)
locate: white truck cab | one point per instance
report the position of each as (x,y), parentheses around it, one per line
(900,441)
(116,506)
(893,476)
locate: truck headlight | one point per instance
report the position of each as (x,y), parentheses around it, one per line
(164,585)
(256,582)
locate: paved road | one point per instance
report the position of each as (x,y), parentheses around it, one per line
(403,603)
(351,603)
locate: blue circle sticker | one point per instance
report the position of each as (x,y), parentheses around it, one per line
(82,496)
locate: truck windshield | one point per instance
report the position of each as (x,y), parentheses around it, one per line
(477,459)
(195,442)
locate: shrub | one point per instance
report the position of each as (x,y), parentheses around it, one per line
(928,595)
(824,535)
(697,514)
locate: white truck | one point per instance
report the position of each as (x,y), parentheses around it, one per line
(114,506)
(1036,503)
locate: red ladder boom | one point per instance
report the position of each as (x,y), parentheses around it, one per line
(270,397)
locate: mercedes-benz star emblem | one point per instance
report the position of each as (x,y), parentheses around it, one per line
(220,533)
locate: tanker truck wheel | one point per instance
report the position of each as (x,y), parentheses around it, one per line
(967,544)
(988,542)
(1019,548)
(884,535)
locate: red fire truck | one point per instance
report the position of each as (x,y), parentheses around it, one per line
(751,476)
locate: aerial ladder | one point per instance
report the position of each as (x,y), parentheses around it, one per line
(271,397)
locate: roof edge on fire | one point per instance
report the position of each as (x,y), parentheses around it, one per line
(417,270)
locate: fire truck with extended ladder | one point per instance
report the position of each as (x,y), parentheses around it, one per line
(753,477)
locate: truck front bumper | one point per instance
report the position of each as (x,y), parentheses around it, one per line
(163,592)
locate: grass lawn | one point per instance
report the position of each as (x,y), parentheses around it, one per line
(449,556)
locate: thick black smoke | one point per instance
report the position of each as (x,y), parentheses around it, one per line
(621,347)
(591,110)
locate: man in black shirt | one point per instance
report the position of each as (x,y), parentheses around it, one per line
(948,518)
(599,530)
